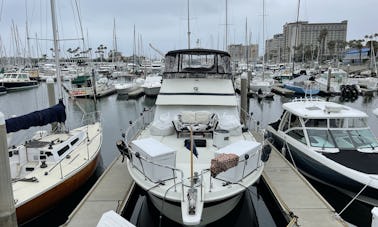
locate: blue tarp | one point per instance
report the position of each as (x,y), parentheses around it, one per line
(43,117)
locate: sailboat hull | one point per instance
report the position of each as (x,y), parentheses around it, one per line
(51,197)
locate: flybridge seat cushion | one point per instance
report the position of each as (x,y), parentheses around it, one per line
(230,123)
(198,121)
(162,126)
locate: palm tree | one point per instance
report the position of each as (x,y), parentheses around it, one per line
(358,45)
(331,47)
(322,37)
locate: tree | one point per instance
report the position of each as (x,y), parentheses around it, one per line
(357,44)
(331,47)
(322,37)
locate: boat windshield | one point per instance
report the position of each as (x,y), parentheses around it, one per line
(351,138)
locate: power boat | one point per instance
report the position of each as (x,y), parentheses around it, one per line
(330,143)
(17,81)
(194,159)
(52,164)
(131,84)
(152,85)
(303,85)
(82,87)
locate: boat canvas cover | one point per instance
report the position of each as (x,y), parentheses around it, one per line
(43,117)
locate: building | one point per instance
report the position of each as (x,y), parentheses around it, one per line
(274,48)
(309,41)
(238,52)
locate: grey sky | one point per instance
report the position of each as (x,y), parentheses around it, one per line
(164,22)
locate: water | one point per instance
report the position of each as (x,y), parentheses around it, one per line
(116,112)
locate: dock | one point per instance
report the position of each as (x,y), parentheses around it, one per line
(303,205)
(109,193)
(282,91)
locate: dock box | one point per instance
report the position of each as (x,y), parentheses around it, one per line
(240,148)
(156,152)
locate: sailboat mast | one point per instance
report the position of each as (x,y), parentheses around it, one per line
(56,47)
(263,38)
(188,27)
(226,32)
(296,34)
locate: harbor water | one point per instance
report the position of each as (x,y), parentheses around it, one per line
(117,112)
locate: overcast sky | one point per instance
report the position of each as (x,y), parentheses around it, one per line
(163,23)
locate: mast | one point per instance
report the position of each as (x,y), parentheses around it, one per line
(188,28)
(56,47)
(263,38)
(226,29)
(296,34)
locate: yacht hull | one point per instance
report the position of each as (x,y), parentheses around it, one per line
(324,174)
(212,211)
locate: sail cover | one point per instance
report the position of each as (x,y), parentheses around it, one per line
(43,117)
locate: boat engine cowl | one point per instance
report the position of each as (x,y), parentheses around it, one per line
(265,153)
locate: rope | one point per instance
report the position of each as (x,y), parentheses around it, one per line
(291,156)
(354,198)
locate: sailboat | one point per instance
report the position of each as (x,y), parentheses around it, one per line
(262,83)
(52,164)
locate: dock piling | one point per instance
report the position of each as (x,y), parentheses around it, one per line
(7,209)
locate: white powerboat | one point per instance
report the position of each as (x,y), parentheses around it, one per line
(195,159)
(330,143)
(152,85)
(17,81)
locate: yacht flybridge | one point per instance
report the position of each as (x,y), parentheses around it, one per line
(195,159)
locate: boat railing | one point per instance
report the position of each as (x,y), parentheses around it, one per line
(139,124)
(306,98)
(181,75)
(174,170)
(250,122)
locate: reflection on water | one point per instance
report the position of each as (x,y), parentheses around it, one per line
(250,211)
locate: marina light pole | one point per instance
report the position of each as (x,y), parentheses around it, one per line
(7,209)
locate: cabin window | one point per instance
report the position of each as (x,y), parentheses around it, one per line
(74,141)
(197,62)
(320,138)
(337,123)
(298,135)
(316,123)
(363,138)
(342,139)
(357,123)
(64,149)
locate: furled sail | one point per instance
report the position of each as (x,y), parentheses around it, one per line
(56,113)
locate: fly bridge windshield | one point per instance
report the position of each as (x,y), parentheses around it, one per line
(198,62)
